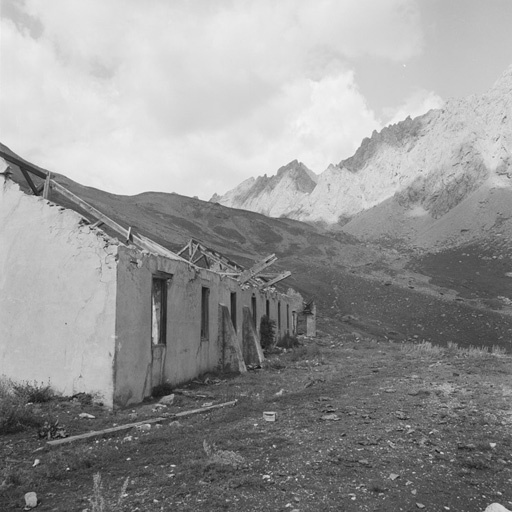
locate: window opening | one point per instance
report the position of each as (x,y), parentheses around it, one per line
(288,316)
(233,309)
(253,306)
(267,308)
(159,311)
(205,313)
(279,316)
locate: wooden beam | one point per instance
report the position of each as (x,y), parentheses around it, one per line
(203,409)
(96,214)
(128,426)
(193,251)
(139,240)
(20,162)
(278,278)
(151,246)
(187,247)
(99,433)
(29,181)
(257,268)
(97,224)
(47,186)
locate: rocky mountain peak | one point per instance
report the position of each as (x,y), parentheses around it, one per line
(504,82)
(399,134)
(412,175)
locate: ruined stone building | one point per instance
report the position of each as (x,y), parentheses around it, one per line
(89,306)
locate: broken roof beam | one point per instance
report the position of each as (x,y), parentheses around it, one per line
(125,234)
(20,162)
(187,247)
(276,279)
(29,181)
(151,246)
(96,214)
(218,255)
(246,275)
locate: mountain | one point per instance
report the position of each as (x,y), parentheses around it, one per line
(441,178)
(275,196)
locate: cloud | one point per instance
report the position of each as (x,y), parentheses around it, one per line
(191,96)
(418,103)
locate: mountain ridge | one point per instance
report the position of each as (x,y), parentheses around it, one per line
(426,165)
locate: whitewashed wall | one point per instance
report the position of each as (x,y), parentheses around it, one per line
(57,296)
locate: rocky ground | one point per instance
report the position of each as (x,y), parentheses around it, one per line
(361,425)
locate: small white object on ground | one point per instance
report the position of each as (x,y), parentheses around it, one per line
(167,400)
(86,415)
(269,416)
(30,500)
(496,507)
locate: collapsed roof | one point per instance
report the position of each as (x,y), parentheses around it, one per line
(41,182)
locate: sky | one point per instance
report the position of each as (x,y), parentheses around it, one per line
(195,96)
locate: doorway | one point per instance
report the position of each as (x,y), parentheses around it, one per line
(159,291)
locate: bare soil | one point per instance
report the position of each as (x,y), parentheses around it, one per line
(361,425)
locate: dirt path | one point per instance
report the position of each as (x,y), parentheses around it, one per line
(361,426)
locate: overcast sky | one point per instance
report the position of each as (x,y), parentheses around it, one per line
(194,96)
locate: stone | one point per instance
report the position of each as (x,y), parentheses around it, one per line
(30,500)
(496,507)
(167,400)
(86,416)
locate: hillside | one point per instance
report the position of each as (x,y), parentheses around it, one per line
(458,296)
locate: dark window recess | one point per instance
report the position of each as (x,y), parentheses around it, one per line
(254,312)
(279,316)
(288,316)
(267,308)
(205,313)
(233,310)
(159,311)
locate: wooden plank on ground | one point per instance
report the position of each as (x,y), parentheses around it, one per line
(128,426)
(203,409)
(99,433)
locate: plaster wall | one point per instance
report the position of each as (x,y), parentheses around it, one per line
(274,298)
(57,296)
(187,355)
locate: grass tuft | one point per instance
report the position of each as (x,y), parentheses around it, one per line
(424,348)
(222,457)
(33,392)
(100,503)
(15,412)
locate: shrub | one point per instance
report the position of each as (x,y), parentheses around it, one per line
(267,332)
(33,393)
(15,414)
